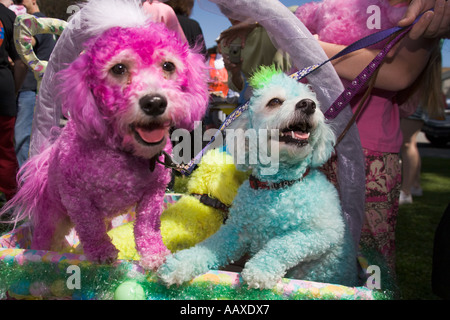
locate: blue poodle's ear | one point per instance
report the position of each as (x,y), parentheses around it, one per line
(324,142)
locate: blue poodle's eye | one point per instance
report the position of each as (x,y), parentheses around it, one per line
(168,66)
(119,69)
(275,102)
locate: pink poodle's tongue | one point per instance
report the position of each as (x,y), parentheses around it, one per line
(152,136)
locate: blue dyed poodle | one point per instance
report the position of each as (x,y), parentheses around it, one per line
(287,216)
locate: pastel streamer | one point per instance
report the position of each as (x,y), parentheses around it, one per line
(25,27)
(27,274)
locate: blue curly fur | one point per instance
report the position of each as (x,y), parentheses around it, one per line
(295,232)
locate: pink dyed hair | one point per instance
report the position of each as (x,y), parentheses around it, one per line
(93,104)
(345,21)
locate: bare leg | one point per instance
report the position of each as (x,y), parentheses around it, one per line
(411,161)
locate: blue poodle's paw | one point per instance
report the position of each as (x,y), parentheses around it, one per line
(260,278)
(182,267)
(174,272)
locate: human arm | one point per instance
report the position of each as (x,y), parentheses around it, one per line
(20,69)
(400,69)
(240,30)
(20,72)
(432,24)
(235,79)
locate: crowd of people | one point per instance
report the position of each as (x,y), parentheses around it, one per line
(388,124)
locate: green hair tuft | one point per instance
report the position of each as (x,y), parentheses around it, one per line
(263,75)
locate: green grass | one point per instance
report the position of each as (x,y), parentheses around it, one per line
(416,227)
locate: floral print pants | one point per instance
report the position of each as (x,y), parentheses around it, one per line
(383,180)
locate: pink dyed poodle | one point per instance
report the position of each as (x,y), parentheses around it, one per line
(121,96)
(346,21)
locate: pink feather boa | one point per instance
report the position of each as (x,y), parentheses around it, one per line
(345,21)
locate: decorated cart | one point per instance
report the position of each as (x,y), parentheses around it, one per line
(44,275)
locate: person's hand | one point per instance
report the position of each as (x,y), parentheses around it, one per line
(240,30)
(233,68)
(432,24)
(235,71)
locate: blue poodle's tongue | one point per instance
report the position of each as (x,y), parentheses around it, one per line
(296,135)
(299,135)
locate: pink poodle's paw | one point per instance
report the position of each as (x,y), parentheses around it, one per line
(102,254)
(154,261)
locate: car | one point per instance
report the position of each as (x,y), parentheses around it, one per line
(438,131)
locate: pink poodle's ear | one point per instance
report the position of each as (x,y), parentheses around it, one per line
(78,103)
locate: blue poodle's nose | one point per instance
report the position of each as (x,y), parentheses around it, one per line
(153,105)
(308,106)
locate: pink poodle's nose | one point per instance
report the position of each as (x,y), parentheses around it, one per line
(153,105)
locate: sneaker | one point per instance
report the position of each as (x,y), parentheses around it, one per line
(416,191)
(404,198)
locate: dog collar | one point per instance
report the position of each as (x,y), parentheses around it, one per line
(256,184)
(214,203)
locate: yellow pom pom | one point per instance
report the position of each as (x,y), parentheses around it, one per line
(122,238)
(217,177)
(188,222)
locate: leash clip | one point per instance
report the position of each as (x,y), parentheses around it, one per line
(184,169)
(168,162)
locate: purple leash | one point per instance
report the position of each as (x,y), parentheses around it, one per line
(359,82)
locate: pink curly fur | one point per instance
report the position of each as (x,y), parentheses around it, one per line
(345,21)
(97,168)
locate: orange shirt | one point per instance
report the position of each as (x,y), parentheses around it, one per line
(218,78)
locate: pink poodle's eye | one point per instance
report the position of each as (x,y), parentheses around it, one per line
(168,67)
(119,69)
